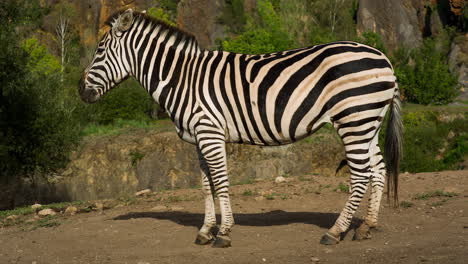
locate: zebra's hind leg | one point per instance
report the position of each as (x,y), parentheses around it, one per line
(205,235)
(357,155)
(377,183)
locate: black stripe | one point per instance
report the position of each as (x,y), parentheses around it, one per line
(331,75)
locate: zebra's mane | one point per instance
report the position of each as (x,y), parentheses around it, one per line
(142,16)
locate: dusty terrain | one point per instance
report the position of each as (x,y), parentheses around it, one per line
(276,223)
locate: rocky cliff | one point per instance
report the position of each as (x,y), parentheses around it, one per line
(116,166)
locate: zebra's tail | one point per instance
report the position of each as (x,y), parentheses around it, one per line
(394,147)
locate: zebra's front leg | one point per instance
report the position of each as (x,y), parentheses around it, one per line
(212,148)
(205,235)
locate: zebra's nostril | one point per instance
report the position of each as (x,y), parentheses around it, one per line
(88,95)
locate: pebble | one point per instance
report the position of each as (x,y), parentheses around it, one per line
(12,217)
(71,210)
(99,206)
(259,198)
(177,208)
(46,212)
(314,259)
(159,208)
(280,179)
(143,192)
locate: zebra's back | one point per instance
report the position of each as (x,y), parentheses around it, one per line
(277,98)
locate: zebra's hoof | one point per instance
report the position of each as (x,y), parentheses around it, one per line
(222,241)
(328,239)
(363,232)
(203,239)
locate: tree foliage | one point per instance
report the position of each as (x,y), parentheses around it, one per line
(37,127)
(425,77)
(128,101)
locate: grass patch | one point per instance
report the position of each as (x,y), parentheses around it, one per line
(135,157)
(117,127)
(344,188)
(304,178)
(270,196)
(439,203)
(127,200)
(174,199)
(48,221)
(248,193)
(26,210)
(245,181)
(434,194)
(406,204)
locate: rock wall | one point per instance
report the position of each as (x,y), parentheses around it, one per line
(115,166)
(458,64)
(406,22)
(200,17)
(397,21)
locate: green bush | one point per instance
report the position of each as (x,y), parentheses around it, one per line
(127,101)
(262,34)
(374,40)
(425,77)
(37,124)
(160,14)
(427,144)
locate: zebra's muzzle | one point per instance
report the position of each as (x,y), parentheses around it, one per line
(88,95)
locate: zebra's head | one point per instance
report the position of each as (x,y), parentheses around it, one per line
(107,68)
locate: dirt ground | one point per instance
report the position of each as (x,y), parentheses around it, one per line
(275,223)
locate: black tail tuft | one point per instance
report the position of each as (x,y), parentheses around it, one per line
(394,148)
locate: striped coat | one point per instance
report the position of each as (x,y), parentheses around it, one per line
(217,97)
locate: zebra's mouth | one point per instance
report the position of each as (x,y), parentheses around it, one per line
(88,94)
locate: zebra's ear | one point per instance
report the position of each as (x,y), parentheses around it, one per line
(125,20)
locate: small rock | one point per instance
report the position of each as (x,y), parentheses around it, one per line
(327,250)
(280,179)
(259,198)
(36,206)
(159,208)
(264,259)
(71,210)
(46,212)
(314,259)
(99,207)
(433,208)
(143,192)
(12,217)
(177,208)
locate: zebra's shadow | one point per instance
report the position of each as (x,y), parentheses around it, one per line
(272,218)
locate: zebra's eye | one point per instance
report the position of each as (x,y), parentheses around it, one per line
(100,50)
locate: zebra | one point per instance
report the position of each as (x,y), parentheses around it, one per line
(218,97)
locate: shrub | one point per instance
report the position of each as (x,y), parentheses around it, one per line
(263,34)
(427,146)
(128,101)
(426,79)
(36,123)
(160,14)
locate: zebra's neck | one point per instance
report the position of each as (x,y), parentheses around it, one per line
(160,54)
